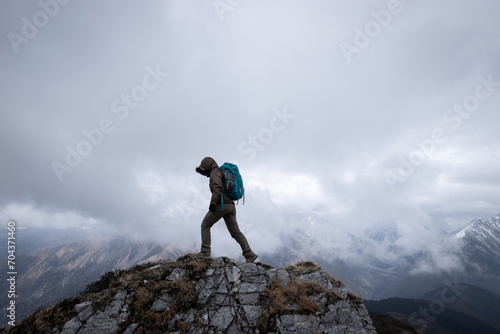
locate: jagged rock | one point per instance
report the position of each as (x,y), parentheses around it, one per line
(131,329)
(72,326)
(84,310)
(161,304)
(177,274)
(194,295)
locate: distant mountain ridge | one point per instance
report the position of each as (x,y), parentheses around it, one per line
(476,248)
(482,241)
(51,274)
(471,302)
(482,228)
(54,273)
(29,239)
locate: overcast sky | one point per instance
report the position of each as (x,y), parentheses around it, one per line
(343,116)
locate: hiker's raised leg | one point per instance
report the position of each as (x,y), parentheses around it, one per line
(234,229)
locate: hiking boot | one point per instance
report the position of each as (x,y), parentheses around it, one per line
(204,255)
(250,257)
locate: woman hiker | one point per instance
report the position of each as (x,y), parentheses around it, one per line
(210,169)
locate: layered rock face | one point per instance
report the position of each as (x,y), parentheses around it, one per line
(193,295)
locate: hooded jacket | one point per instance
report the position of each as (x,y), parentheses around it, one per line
(216,182)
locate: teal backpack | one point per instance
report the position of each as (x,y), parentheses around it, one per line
(233,183)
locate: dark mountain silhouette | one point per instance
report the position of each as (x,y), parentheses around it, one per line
(454,308)
(474,301)
(387,325)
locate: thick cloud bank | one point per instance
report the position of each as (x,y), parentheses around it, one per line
(354,117)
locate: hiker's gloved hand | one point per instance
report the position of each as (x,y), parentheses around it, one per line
(211,208)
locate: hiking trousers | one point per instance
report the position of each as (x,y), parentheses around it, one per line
(229,215)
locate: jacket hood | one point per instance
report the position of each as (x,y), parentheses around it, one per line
(208,164)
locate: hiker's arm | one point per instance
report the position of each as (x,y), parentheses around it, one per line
(217,185)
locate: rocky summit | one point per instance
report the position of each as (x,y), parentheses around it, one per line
(195,295)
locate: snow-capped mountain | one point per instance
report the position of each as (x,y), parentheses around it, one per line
(481,252)
(375,267)
(482,237)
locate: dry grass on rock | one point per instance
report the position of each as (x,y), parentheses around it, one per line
(292,299)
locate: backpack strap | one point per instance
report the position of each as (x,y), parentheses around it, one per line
(221,199)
